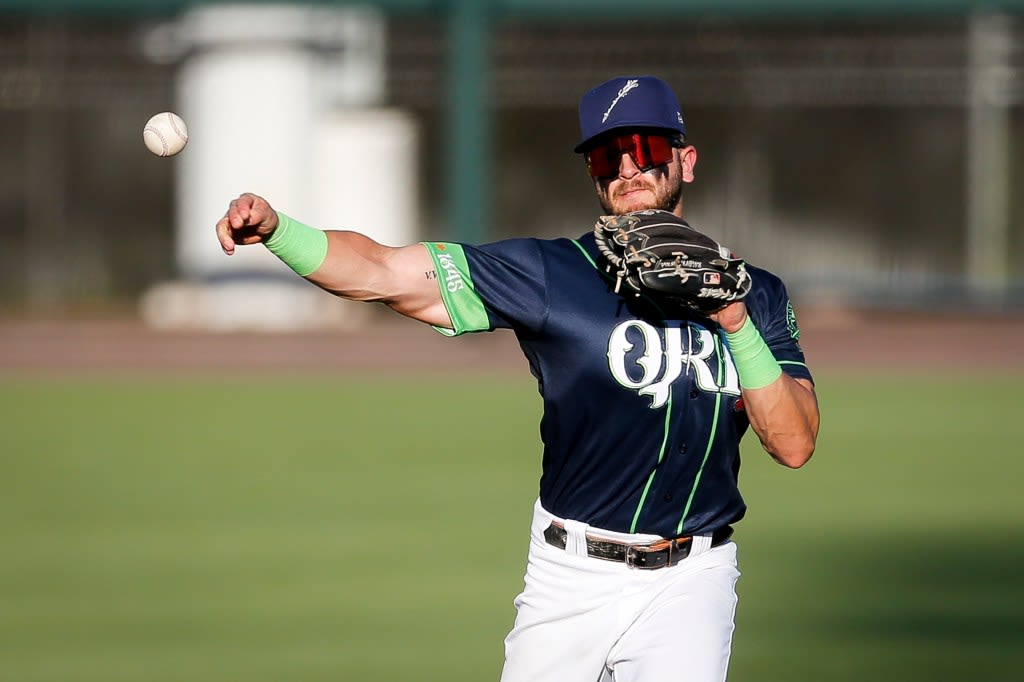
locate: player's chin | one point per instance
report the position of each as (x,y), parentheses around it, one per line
(640,200)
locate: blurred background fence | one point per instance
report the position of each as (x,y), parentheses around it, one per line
(871,158)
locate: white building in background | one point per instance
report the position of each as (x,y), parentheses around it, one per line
(283,101)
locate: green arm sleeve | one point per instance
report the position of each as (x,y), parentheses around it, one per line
(465,307)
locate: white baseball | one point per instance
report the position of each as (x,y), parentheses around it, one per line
(165,134)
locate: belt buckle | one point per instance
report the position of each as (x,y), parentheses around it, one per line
(631,556)
(639,556)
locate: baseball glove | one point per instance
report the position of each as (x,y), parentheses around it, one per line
(656,253)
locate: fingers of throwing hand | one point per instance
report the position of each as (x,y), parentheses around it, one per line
(231,229)
(249,219)
(240,212)
(225,235)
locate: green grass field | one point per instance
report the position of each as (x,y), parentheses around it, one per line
(160,529)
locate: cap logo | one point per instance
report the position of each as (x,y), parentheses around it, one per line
(630,84)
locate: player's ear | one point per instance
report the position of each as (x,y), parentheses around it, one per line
(687,161)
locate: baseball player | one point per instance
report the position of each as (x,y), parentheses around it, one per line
(631,569)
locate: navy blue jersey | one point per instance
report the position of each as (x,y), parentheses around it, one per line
(642,414)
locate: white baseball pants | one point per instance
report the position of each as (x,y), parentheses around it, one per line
(582,619)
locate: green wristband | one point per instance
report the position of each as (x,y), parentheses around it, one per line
(301,247)
(754,360)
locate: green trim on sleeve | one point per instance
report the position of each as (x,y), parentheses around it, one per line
(465,308)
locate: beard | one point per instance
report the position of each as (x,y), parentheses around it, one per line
(661,196)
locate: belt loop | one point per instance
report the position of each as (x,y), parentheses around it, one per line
(700,544)
(576,537)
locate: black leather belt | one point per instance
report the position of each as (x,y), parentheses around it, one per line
(654,555)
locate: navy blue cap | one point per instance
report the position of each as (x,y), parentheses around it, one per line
(629,102)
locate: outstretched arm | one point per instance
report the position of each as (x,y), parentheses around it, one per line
(784,411)
(354,266)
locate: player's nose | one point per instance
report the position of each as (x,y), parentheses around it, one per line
(627,166)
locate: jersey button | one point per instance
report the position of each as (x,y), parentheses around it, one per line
(694,393)
(682,449)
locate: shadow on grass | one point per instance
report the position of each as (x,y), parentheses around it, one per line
(941,607)
(964,587)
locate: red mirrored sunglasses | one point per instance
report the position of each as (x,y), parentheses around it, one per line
(646,149)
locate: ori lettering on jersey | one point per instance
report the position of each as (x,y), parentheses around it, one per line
(664,354)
